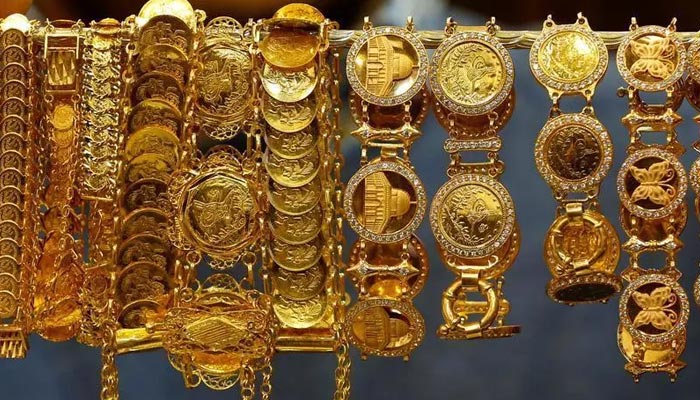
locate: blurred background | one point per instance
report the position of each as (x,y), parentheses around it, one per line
(562,352)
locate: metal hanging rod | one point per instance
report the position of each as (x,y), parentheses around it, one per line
(510,39)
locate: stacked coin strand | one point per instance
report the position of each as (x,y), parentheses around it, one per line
(573,154)
(692,93)
(652,185)
(472,215)
(18,185)
(385,200)
(294,96)
(57,312)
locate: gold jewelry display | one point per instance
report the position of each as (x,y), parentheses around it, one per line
(652,185)
(385,201)
(573,154)
(692,93)
(472,215)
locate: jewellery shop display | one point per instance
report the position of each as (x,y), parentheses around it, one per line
(473,215)
(173,183)
(573,153)
(652,185)
(385,201)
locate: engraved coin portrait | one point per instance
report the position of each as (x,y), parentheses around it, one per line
(387,65)
(220,210)
(471,73)
(472,215)
(568,56)
(573,152)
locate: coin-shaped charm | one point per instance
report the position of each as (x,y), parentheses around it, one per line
(484,68)
(301,285)
(387,66)
(145,247)
(652,183)
(143,281)
(296,229)
(472,215)
(146,220)
(300,314)
(289,48)
(145,193)
(651,58)
(384,327)
(154,112)
(294,201)
(385,202)
(573,153)
(158,86)
(292,145)
(219,212)
(296,257)
(289,86)
(290,172)
(289,117)
(153,139)
(569,58)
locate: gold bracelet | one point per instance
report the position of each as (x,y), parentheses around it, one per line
(692,93)
(472,215)
(574,154)
(652,185)
(18,184)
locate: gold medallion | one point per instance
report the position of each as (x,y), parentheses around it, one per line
(385,202)
(153,139)
(297,15)
(384,327)
(180,9)
(289,48)
(149,166)
(164,58)
(573,153)
(293,145)
(296,229)
(140,313)
(472,215)
(387,66)
(300,314)
(485,70)
(158,86)
(289,86)
(294,201)
(651,58)
(143,281)
(292,173)
(296,257)
(145,193)
(145,220)
(289,117)
(569,59)
(652,183)
(147,248)
(155,112)
(299,285)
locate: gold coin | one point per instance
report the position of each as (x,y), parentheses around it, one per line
(292,173)
(301,285)
(149,165)
(180,9)
(8,305)
(296,257)
(8,283)
(384,327)
(153,139)
(484,68)
(300,314)
(651,58)
(145,247)
(139,313)
(155,112)
(292,145)
(294,201)
(143,281)
(146,193)
(63,117)
(387,66)
(219,212)
(296,229)
(289,117)
(289,86)
(9,265)
(297,14)
(223,83)
(164,58)
(289,48)
(147,220)
(158,86)
(472,215)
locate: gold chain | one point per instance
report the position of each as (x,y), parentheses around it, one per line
(110,375)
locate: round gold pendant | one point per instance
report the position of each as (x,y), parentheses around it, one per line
(569,58)
(472,215)
(385,202)
(299,285)
(651,58)
(471,73)
(289,86)
(573,153)
(292,145)
(292,173)
(582,254)
(387,66)
(296,257)
(296,229)
(385,273)
(384,327)
(652,183)
(289,117)
(294,201)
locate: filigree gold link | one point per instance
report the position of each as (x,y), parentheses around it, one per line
(110,374)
